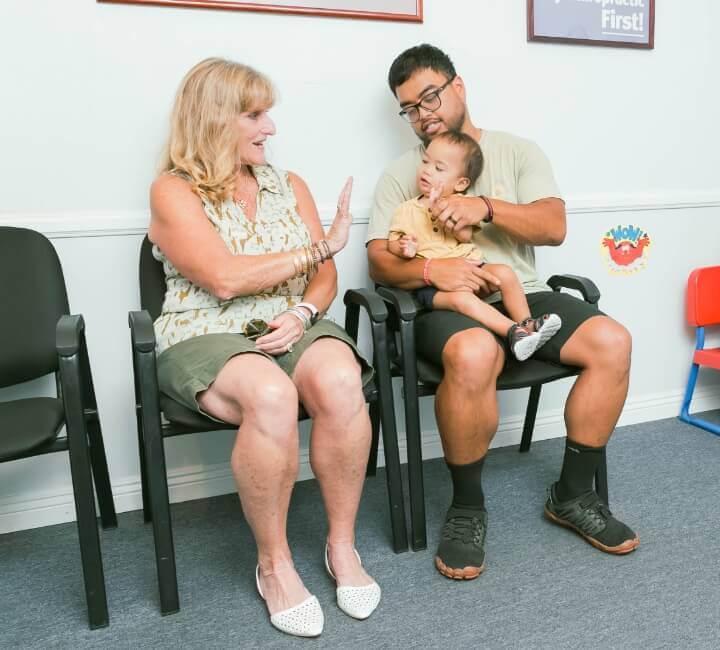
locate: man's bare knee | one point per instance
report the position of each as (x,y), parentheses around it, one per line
(614,344)
(472,356)
(600,342)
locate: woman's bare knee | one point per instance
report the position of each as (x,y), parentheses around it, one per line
(254,392)
(330,382)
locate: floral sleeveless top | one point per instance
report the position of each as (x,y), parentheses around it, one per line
(190,310)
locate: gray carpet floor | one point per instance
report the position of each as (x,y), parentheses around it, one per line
(544,587)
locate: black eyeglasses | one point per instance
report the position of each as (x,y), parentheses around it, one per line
(431,102)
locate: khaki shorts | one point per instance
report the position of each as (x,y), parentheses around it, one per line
(191,366)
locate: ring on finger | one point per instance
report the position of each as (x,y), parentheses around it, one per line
(451,221)
(289,347)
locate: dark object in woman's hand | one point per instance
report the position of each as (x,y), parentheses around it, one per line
(256,328)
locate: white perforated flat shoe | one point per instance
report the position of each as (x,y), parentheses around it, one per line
(358,602)
(305,619)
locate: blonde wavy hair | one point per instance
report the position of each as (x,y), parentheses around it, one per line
(202,140)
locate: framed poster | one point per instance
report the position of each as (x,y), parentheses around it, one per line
(616,23)
(406,10)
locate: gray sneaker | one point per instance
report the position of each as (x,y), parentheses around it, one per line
(461,552)
(590,518)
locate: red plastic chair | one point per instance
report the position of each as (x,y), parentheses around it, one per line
(703,309)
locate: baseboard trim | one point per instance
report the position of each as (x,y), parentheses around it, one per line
(198,482)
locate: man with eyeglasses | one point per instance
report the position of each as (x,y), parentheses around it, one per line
(514,205)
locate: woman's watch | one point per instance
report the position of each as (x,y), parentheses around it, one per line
(314,311)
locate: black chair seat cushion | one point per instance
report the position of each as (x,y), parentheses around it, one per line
(28,423)
(516,374)
(185,417)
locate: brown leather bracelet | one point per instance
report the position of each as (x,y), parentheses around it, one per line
(491,212)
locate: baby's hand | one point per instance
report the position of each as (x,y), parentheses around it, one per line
(408,246)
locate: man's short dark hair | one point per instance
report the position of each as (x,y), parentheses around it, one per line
(420,57)
(474,160)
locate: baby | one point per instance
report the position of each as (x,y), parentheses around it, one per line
(451,164)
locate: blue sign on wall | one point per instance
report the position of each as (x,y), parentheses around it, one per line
(620,23)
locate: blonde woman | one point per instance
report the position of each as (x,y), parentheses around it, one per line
(241,336)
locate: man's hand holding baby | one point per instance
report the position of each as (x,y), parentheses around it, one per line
(447,212)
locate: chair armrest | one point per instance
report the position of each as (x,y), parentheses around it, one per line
(142,331)
(401,301)
(68,334)
(585,286)
(370,301)
(75,375)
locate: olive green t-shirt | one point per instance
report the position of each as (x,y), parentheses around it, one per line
(515,170)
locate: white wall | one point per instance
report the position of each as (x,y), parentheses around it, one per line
(87,89)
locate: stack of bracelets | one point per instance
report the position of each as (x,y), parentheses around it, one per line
(310,257)
(300,315)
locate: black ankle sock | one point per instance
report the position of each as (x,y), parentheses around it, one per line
(578,470)
(467,485)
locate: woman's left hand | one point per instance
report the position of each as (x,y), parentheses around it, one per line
(286,331)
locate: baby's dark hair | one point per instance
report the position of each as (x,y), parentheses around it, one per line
(420,57)
(474,160)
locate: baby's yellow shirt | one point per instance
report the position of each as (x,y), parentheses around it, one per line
(413,218)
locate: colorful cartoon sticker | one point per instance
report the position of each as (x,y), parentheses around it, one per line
(625,249)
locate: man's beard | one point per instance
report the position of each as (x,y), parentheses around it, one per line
(455,125)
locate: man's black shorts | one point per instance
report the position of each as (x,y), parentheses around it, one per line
(433,328)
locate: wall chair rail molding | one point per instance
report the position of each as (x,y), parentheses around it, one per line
(401,10)
(58,225)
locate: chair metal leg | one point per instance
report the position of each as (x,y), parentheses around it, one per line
(413,436)
(375,423)
(98,462)
(147,511)
(150,432)
(390,442)
(98,458)
(689,390)
(685,410)
(601,481)
(530,415)
(79,453)
(161,522)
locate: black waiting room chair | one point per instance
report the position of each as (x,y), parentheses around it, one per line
(39,337)
(420,378)
(151,404)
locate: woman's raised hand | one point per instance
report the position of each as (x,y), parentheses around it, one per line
(337,235)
